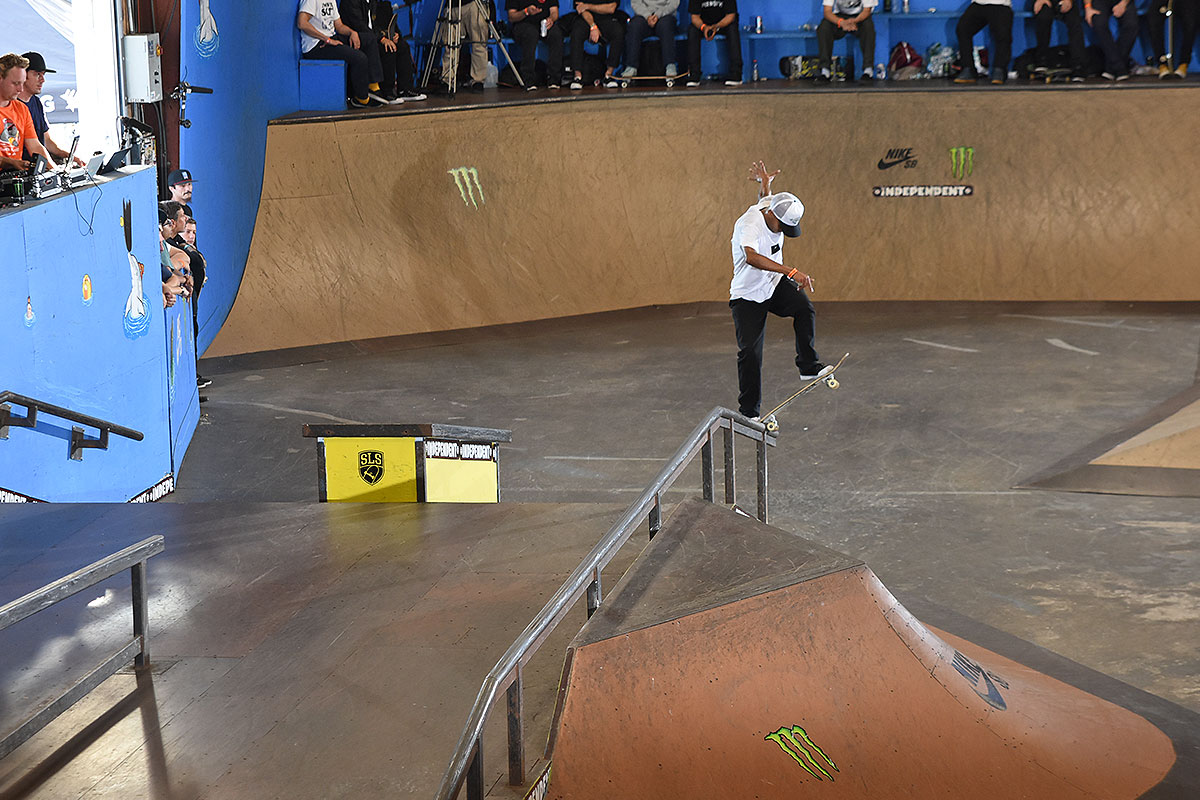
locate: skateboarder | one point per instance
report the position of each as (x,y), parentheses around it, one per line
(761,283)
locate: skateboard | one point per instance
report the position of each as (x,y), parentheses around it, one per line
(829,379)
(670,79)
(1052,75)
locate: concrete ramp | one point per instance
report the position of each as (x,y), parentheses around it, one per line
(1157,455)
(735,660)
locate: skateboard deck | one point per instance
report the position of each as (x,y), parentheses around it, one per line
(829,379)
(669,79)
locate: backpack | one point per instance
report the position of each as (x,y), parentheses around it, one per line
(904,55)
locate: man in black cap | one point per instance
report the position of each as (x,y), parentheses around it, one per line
(179,184)
(35,78)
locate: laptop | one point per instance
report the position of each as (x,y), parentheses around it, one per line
(114,163)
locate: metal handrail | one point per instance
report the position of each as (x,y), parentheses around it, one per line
(585,579)
(79,442)
(132,558)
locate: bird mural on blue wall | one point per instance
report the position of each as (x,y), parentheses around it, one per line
(137,313)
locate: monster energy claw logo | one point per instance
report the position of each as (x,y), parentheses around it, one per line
(962,162)
(795,742)
(467,181)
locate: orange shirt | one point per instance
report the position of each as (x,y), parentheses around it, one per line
(16,125)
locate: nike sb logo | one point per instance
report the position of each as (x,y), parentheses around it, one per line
(974,673)
(898,155)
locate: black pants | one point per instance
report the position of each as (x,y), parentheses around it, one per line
(526,34)
(1116,51)
(828,33)
(749,324)
(396,69)
(1187,15)
(612,34)
(732,38)
(357,63)
(999,21)
(1044,20)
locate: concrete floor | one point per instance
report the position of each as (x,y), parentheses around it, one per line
(908,466)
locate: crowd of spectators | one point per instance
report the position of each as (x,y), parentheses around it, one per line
(342,29)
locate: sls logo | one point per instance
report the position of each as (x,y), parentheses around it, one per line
(370,466)
(898,155)
(796,743)
(974,674)
(467,181)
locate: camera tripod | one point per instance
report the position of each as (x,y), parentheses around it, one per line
(449,33)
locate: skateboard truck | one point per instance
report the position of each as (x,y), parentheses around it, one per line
(829,379)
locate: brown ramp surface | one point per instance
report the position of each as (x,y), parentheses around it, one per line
(1158,455)
(735,660)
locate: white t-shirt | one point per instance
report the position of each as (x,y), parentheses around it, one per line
(850,8)
(324,12)
(752,283)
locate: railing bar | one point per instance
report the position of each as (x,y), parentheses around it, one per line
(761,472)
(68,414)
(559,604)
(730,466)
(475,773)
(707,477)
(89,682)
(141,616)
(516,730)
(77,581)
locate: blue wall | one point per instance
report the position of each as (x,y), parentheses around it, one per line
(251,65)
(85,352)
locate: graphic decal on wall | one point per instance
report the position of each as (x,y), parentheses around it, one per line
(467,181)
(974,673)
(205,38)
(137,313)
(962,162)
(795,742)
(30,317)
(87,289)
(174,351)
(370,466)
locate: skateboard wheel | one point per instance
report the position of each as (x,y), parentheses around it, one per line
(670,84)
(772,426)
(831,382)
(624,84)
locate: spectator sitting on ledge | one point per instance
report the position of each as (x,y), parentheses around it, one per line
(843,17)
(997,17)
(595,22)
(710,18)
(324,36)
(657,17)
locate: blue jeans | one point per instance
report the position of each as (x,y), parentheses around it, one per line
(639,29)
(1116,53)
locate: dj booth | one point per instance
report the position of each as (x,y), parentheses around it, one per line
(83,330)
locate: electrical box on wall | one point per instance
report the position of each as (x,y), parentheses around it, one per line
(142,56)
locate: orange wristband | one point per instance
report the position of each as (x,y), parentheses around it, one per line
(792,274)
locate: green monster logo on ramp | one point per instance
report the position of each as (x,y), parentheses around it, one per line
(962,162)
(795,742)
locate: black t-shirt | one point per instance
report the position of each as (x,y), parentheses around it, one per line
(712,11)
(544,7)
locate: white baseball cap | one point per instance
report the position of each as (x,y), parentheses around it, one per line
(788,209)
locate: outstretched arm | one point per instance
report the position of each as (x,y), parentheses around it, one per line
(758,172)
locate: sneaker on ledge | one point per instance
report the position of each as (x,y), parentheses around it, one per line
(734,82)
(531,87)
(411,96)
(384,99)
(967,76)
(354,102)
(576,84)
(1108,76)
(692,84)
(629,72)
(611,83)
(201,381)
(814,371)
